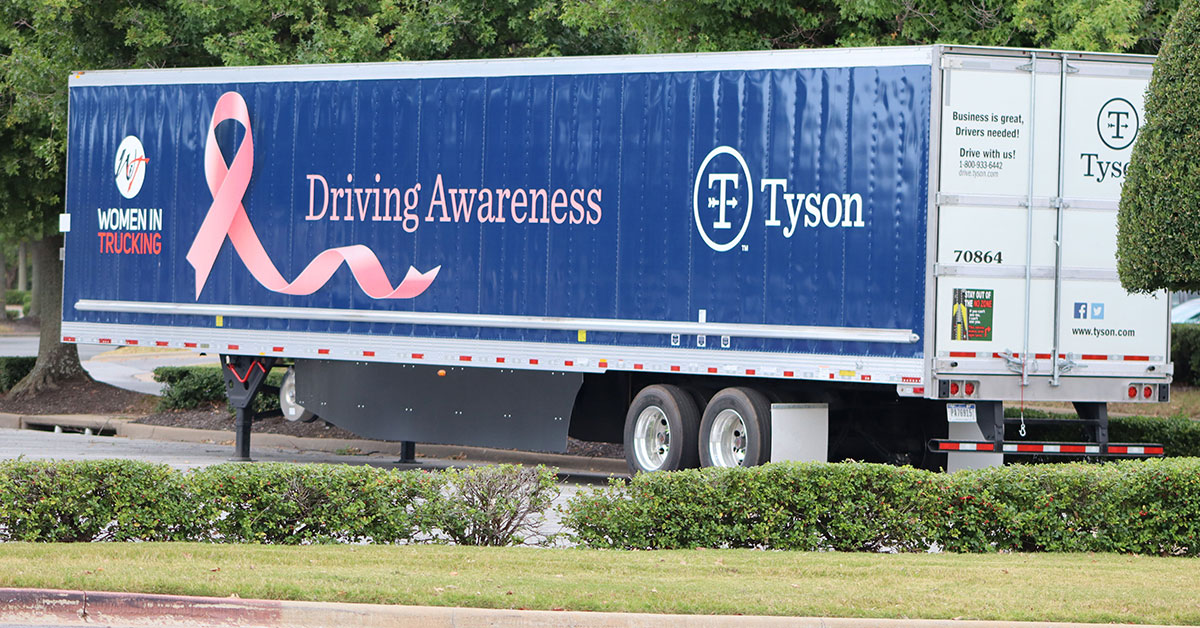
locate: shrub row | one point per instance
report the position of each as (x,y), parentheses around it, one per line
(1185,353)
(1180,436)
(1145,506)
(13,370)
(17,297)
(188,387)
(125,500)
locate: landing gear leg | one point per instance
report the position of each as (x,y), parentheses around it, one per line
(244,376)
(408,452)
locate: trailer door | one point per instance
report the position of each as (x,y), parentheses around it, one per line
(1033,151)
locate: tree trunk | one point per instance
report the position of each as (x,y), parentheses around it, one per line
(34,309)
(4,282)
(21,264)
(56,362)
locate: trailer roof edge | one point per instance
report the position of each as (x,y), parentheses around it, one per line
(526,66)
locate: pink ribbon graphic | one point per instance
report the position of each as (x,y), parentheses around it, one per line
(227,216)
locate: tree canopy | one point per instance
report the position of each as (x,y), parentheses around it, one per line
(710,25)
(1158,236)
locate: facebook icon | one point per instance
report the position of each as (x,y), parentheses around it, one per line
(1081,310)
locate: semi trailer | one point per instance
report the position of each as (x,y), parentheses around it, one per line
(668,251)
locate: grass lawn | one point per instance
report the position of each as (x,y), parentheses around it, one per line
(1053,587)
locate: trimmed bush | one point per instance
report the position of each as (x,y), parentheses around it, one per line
(1185,353)
(1158,223)
(125,500)
(17,297)
(104,500)
(846,506)
(1180,436)
(292,504)
(495,505)
(13,370)
(190,387)
(1143,506)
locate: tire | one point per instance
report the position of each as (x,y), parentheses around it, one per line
(292,411)
(736,429)
(661,430)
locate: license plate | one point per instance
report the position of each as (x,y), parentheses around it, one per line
(960,412)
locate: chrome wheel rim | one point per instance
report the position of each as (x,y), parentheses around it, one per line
(651,438)
(727,439)
(287,397)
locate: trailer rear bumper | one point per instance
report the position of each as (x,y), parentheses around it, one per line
(1023,448)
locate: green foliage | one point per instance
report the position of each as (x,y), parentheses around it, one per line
(710,25)
(190,387)
(13,370)
(291,504)
(1128,507)
(847,507)
(495,505)
(103,500)
(1185,353)
(273,503)
(16,297)
(1159,218)
(1179,436)
(1148,507)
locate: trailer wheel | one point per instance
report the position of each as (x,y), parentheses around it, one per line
(736,429)
(292,411)
(661,430)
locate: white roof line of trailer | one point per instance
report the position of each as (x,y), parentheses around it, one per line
(526,66)
(1128,57)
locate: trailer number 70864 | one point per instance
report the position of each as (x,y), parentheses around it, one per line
(978,257)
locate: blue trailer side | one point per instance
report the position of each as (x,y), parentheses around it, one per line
(561,196)
(742,216)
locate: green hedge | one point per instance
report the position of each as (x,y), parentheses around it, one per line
(290,504)
(188,387)
(105,500)
(1180,436)
(1185,353)
(13,370)
(124,500)
(1145,506)
(1158,220)
(17,297)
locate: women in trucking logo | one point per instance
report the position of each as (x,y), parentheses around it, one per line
(227,217)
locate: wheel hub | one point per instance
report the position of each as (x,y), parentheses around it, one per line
(651,438)
(727,440)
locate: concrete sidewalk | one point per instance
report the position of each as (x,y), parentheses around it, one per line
(83,608)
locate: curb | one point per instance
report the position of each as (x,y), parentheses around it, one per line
(127,429)
(82,608)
